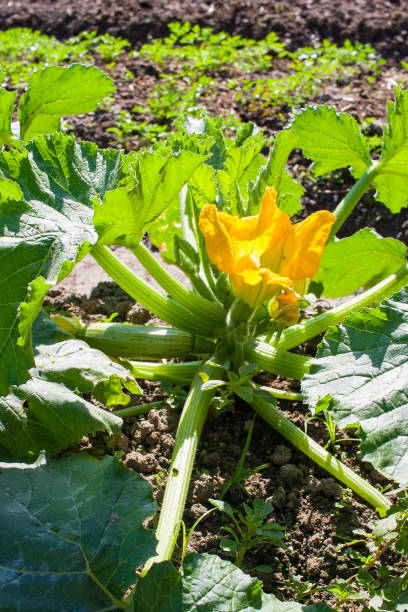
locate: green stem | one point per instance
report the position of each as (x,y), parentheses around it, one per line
(314,451)
(181,467)
(350,201)
(187,214)
(194,302)
(140,342)
(137,409)
(205,268)
(275,360)
(175,373)
(164,307)
(296,334)
(282,394)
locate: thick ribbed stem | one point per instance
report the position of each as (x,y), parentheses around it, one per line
(188,434)
(275,360)
(314,451)
(282,394)
(194,302)
(296,334)
(164,307)
(137,410)
(350,201)
(175,373)
(143,342)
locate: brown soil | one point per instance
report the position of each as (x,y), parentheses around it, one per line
(318,513)
(384,23)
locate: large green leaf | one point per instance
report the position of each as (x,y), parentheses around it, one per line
(365,257)
(9,190)
(7,99)
(59,179)
(363,366)
(126,214)
(52,416)
(79,367)
(45,226)
(41,415)
(391,181)
(72,534)
(391,598)
(332,140)
(241,166)
(208,584)
(46,331)
(56,91)
(205,180)
(273,174)
(21,261)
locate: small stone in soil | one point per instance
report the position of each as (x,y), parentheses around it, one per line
(145,464)
(159,419)
(210,460)
(167,441)
(138,315)
(203,489)
(330,488)
(313,566)
(153,438)
(278,498)
(282,454)
(197,510)
(144,427)
(290,474)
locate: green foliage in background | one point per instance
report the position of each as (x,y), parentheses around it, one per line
(23,50)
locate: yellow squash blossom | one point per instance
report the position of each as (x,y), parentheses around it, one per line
(266,255)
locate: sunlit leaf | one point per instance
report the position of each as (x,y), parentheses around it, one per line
(126,214)
(391,181)
(273,174)
(7,99)
(41,415)
(332,140)
(56,91)
(365,257)
(363,365)
(208,584)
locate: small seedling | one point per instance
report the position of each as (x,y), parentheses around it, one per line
(251,529)
(241,473)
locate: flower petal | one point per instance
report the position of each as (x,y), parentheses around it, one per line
(284,309)
(305,244)
(217,240)
(254,285)
(263,232)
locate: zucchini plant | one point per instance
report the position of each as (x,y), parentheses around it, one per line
(72,529)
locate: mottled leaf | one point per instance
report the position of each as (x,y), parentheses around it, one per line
(59,179)
(45,226)
(21,261)
(79,367)
(363,365)
(41,415)
(208,584)
(72,534)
